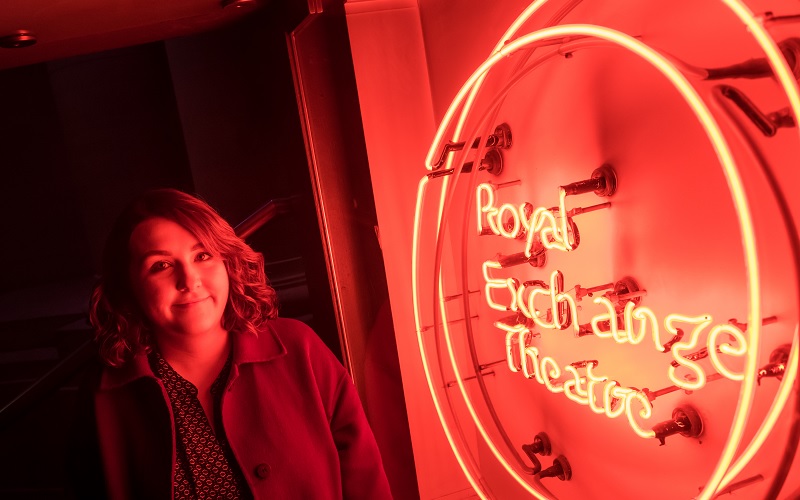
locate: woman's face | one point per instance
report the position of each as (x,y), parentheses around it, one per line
(181,287)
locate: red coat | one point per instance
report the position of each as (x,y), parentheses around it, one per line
(290,412)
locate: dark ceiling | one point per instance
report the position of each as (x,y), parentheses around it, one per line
(65,28)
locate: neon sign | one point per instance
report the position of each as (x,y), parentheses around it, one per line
(560,307)
(582,389)
(543,307)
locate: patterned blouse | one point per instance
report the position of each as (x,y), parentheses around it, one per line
(205,467)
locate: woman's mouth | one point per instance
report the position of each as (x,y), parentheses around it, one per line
(191,302)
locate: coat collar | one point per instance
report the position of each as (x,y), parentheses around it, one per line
(266,346)
(247,348)
(117,376)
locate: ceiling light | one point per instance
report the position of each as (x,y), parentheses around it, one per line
(18,39)
(238,4)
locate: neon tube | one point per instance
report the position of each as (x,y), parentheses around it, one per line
(615,401)
(690,345)
(772,415)
(646,412)
(511,332)
(647,320)
(613,394)
(747,235)
(789,84)
(421,344)
(784,392)
(497,284)
(471,409)
(737,192)
(506,207)
(610,316)
(573,389)
(646,316)
(475,87)
(451,353)
(593,380)
(485,208)
(726,348)
(551,372)
(532,353)
(541,222)
(723,153)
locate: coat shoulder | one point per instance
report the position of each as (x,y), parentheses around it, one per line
(290,327)
(297,338)
(293,334)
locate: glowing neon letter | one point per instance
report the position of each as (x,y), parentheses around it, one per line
(507,207)
(530,355)
(544,224)
(511,332)
(690,345)
(495,283)
(614,394)
(635,336)
(610,316)
(486,208)
(551,372)
(590,386)
(557,297)
(536,315)
(646,317)
(726,348)
(646,412)
(579,395)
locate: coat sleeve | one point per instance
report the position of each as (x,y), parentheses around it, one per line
(362,471)
(361,467)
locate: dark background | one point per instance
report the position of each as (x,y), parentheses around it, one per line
(214,114)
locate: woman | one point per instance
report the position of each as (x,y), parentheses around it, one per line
(206,393)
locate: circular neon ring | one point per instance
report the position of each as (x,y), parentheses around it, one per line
(724,155)
(783,74)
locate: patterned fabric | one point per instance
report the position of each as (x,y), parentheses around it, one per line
(205,467)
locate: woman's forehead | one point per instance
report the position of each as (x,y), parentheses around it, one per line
(161,234)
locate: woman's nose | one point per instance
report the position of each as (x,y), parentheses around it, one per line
(188,278)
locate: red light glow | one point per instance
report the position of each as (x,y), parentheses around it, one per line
(543,309)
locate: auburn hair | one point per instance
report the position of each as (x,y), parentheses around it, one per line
(121,328)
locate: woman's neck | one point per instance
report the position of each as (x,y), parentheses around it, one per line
(197,359)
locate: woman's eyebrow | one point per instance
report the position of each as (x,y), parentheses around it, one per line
(150,253)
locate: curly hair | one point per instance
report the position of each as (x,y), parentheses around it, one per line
(121,328)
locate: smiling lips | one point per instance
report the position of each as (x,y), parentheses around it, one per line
(191,302)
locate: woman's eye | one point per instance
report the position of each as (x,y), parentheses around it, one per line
(161,265)
(203,256)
